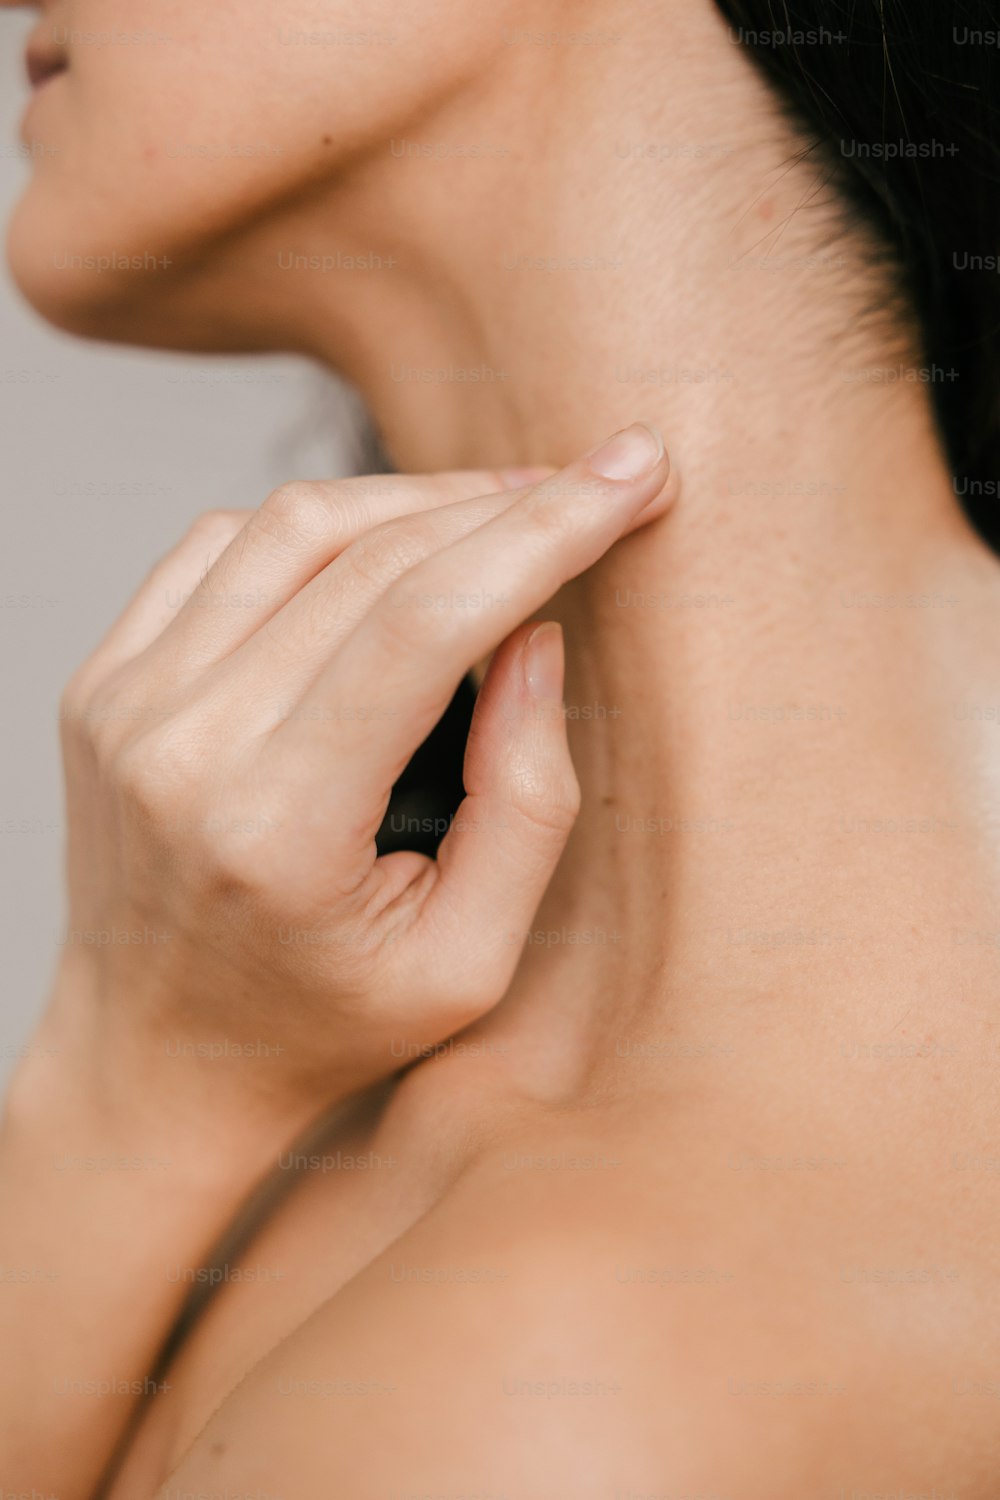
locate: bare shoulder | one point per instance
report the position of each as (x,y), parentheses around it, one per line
(560,1325)
(490,1352)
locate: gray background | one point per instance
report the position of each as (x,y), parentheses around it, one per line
(107,455)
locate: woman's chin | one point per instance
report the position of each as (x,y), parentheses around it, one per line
(51,273)
(85,287)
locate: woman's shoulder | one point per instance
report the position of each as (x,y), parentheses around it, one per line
(598,1297)
(493,1350)
(557,1325)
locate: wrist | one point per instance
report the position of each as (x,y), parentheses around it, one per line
(104,1194)
(92,1090)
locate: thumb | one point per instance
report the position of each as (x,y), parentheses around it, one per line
(509,832)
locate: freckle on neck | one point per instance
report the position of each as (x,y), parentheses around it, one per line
(328,140)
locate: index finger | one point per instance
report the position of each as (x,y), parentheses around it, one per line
(297,532)
(405,659)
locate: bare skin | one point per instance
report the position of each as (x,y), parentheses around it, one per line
(797,1120)
(726,1148)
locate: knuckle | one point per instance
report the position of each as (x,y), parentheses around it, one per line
(93,710)
(117,707)
(481,990)
(240,846)
(415,622)
(471,995)
(547,803)
(300,512)
(136,772)
(154,772)
(388,551)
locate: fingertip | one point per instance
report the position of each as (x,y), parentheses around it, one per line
(543,662)
(661,503)
(631,474)
(634,453)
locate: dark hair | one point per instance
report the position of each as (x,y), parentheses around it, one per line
(899,100)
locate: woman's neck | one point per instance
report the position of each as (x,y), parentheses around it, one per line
(762,686)
(767,693)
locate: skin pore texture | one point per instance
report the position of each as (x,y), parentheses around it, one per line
(721,1153)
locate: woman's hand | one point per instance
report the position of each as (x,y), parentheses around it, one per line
(238,957)
(241,945)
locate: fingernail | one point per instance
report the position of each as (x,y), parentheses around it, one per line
(519,479)
(629,454)
(543,662)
